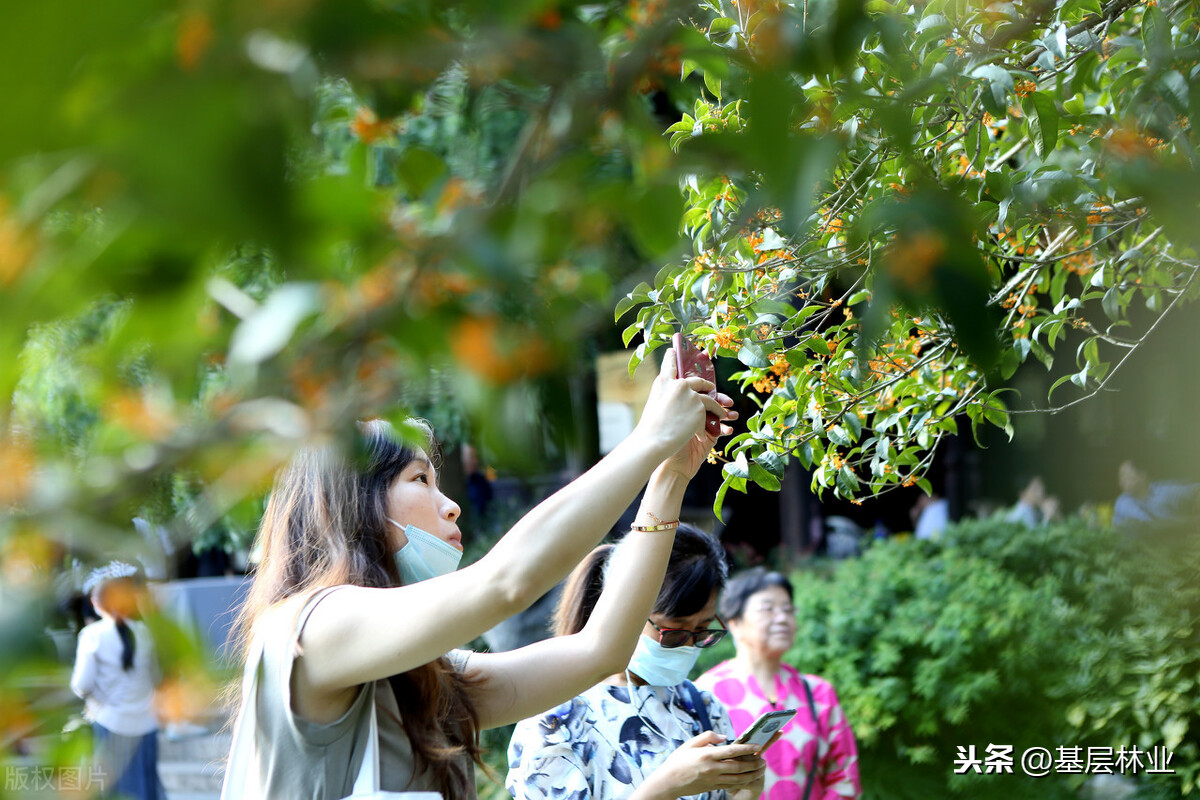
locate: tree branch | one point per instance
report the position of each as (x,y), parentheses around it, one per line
(1108,378)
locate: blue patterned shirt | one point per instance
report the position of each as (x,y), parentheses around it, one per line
(605,742)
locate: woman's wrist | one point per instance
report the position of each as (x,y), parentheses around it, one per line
(651,790)
(669,482)
(646,452)
(662,499)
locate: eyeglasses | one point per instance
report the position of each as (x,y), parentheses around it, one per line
(678,637)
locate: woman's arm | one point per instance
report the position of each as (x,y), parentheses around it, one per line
(358,634)
(523,682)
(527,681)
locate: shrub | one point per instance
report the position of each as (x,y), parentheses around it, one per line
(996,634)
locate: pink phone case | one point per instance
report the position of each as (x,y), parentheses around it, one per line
(691,361)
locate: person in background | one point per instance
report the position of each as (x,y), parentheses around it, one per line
(116,673)
(817,756)
(1050,510)
(1028,509)
(645,733)
(479,486)
(1147,504)
(930,516)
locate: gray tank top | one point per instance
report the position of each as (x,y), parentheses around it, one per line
(286,756)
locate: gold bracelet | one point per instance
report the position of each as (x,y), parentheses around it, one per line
(662,526)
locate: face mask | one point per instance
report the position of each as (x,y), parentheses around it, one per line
(425,556)
(662,666)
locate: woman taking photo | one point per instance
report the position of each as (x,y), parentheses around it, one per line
(645,733)
(816,759)
(352,682)
(115,673)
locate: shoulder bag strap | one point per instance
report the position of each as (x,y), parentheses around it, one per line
(812,709)
(367,781)
(242,757)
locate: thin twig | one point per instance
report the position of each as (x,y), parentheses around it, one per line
(1108,378)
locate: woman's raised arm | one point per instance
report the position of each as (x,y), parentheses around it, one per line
(358,634)
(529,680)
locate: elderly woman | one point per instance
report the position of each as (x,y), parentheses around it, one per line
(817,757)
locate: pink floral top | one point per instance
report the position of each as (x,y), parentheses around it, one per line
(789,759)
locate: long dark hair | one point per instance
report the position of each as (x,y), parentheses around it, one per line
(326,525)
(696,569)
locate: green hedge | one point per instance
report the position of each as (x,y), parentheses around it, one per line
(997,634)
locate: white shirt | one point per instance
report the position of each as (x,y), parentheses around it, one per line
(933,520)
(121,701)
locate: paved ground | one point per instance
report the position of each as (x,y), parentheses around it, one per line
(191,766)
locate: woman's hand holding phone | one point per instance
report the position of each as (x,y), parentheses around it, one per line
(704,763)
(675,412)
(717,406)
(691,361)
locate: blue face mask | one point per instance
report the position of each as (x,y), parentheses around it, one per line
(662,666)
(425,556)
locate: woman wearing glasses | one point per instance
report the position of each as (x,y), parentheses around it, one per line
(816,759)
(645,733)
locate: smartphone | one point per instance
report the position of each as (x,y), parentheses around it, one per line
(765,727)
(691,361)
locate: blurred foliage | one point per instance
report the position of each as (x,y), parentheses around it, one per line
(1060,635)
(892,205)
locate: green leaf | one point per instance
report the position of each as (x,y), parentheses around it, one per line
(630,332)
(837,435)
(1156,33)
(818,345)
(1000,418)
(1000,83)
(719,502)
(846,482)
(713,84)
(1174,89)
(739,467)
(1056,384)
(1111,303)
(1045,123)
(752,355)
(770,241)
(720,25)
(623,306)
(772,462)
(764,478)
(851,421)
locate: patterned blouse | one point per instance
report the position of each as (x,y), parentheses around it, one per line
(789,760)
(605,742)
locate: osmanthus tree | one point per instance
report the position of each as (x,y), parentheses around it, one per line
(892,228)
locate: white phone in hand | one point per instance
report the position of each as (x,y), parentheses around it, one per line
(766,726)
